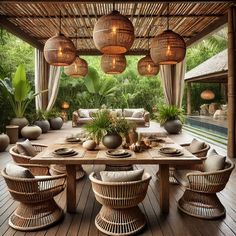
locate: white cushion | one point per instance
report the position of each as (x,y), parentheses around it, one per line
(121,176)
(26,148)
(84,113)
(196,146)
(129,112)
(137,114)
(214,163)
(212,152)
(16,171)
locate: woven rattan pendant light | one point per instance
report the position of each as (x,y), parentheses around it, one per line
(207,95)
(79,68)
(113,64)
(59,50)
(168,47)
(113,33)
(146,66)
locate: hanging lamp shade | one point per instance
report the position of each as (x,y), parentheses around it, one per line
(113,64)
(113,34)
(78,69)
(59,51)
(168,48)
(207,95)
(146,66)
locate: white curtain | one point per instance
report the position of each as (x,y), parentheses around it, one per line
(172,78)
(46,77)
(53,85)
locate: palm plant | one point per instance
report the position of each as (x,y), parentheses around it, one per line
(18,92)
(169,112)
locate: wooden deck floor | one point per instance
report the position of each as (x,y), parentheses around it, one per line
(82,223)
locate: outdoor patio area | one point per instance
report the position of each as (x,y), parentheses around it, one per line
(82,222)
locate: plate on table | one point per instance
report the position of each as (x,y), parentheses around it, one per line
(63,151)
(68,154)
(118,152)
(169,150)
(121,156)
(173,154)
(73,140)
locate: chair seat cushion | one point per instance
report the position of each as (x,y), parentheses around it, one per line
(196,146)
(121,176)
(181,177)
(26,148)
(214,163)
(16,171)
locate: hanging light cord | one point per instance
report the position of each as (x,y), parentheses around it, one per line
(60,23)
(113,6)
(168,10)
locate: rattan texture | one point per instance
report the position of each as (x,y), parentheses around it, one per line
(120,214)
(37,208)
(200,199)
(57,169)
(146,66)
(168,48)
(113,33)
(78,69)
(23,159)
(59,51)
(113,64)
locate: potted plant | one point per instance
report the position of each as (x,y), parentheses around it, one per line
(19,94)
(107,128)
(55,119)
(171,117)
(40,119)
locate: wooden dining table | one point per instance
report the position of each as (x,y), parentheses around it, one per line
(98,156)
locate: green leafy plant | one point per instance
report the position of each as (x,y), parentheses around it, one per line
(53,113)
(169,112)
(18,91)
(103,123)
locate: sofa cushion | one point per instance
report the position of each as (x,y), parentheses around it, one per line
(129,112)
(118,112)
(214,163)
(26,148)
(137,114)
(16,171)
(121,176)
(92,112)
(83,113)
(196,146)
(136,120)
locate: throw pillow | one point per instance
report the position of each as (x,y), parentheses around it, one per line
(26,148)
(214,163)
(212,152)
(14,170)
(121,176)
(84,113)
(196,146)
(128,112)
(137,114)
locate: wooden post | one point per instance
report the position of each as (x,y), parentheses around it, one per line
(232,82)
(189,94)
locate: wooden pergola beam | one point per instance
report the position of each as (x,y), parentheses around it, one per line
(97,16)
(10,27)
(209,30)
(111,1)
(94,52)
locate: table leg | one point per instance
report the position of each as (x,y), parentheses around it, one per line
(164,187)
(71,188)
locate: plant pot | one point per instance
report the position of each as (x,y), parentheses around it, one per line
(43,124)
(4,142)
(112,141)
(12,132)
(31,132)
(56,123)
(21,122)
(173,126)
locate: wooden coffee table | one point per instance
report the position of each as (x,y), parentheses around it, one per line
(98,156)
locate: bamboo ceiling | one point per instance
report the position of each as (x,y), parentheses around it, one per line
(36,21)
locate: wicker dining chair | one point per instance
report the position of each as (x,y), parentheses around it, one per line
(200,199)
(120,214)
(37,208)
(200,153)
(23,159)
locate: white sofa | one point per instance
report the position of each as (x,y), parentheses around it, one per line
(137,115)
